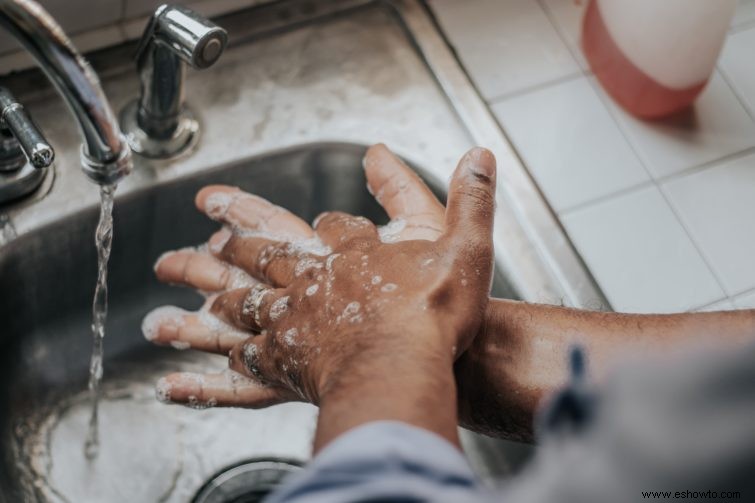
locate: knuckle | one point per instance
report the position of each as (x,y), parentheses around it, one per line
(481,195)
(268,255)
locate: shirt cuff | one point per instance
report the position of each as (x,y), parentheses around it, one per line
(383,460)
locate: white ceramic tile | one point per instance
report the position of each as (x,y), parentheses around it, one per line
(505,45)
(738,65)
(8,43)
(568,15)
(570,143)
(138,8)
(134,8)
(84,42)
(745,13)
(640,254)
(81,15)
(717,205)
(721,305)
(73,16)
(746,301)
(716,126)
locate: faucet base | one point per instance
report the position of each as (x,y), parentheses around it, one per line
(184,138)
(107,172)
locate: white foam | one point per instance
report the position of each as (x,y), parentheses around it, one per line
(240,278)
(306,264)
(351,312)
(215,324)
(289,337)
(217,204)
(312,289)
(181,345)
(195,403)
(352,308)
(390,233)
(160,315)
(236,379)
(329,262)
(296,245)
(388,287)
(279,307)
(162,390)
(377,279)
(218,246)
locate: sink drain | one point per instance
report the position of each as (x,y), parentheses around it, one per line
(247,482)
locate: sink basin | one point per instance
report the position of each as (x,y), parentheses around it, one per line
(171,450)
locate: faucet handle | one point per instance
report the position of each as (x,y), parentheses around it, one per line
(14,119)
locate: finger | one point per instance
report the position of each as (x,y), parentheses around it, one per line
(235,207)
(273,262)
(471,200)
(252,359)
(168,325)
(251,308)
(403,194)
(337,229)
(199,270)
(224,389)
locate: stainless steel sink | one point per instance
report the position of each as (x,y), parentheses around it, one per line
(286,114)
(46,352)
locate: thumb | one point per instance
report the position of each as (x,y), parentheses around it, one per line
(471,200)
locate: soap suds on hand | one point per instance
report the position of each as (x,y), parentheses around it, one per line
(156,317)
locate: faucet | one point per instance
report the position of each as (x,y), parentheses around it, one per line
(158,124)
(24,152)
(105,154)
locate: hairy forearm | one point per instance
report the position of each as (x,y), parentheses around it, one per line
(521,354)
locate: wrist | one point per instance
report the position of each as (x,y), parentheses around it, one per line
(410,382)
(491,397)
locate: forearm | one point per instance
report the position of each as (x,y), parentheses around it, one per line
(520,356)
(415,386)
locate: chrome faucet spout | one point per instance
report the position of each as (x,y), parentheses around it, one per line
(105,155)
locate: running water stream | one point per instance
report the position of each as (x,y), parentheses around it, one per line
(103,241)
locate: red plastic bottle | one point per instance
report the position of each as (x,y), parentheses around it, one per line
(654,57)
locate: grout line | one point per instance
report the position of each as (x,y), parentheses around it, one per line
(734,90)
(606,197)
(657,184)
(743,26)
(653,181)
(707,260)
(709,304)
(743,293)
(536,87)
(692,170)
(575,52)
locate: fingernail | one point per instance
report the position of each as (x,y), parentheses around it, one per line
(218,240)
(480,161)
(318,218)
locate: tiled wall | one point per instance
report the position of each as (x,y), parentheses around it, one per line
(662,213)
(93,24)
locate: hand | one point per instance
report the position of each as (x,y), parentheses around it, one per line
(405,197)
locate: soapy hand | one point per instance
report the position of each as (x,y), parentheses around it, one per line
(335,299)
